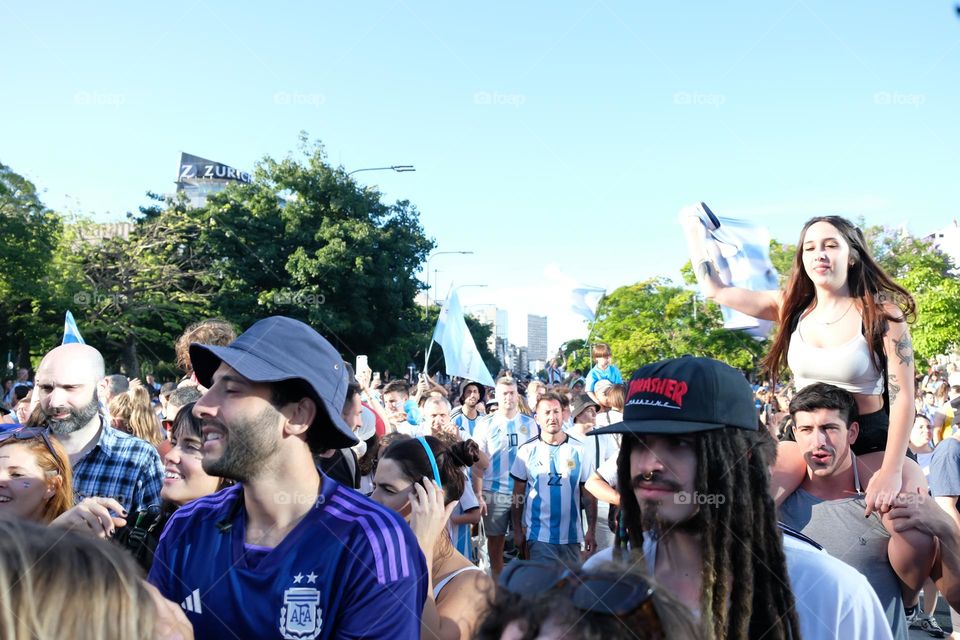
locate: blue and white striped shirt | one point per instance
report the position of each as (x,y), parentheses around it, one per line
(499,438)
(553,473)
(465,424)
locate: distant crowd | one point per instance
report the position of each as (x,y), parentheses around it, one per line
(277,490)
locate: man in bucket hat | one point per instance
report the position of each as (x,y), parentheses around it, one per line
(286,552)
(694,495)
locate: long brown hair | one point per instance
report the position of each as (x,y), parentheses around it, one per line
(133,412)
(868,283)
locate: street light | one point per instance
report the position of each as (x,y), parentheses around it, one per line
(399,168)
(427,270)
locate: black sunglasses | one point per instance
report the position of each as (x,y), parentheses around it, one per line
(594,593)
(32,433)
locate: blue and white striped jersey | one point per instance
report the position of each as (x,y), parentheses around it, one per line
(553,473)
(499,438)
(460,533)
(465,424)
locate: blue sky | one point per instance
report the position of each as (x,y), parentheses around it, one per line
(554,140)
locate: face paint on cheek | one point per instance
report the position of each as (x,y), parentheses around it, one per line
(26,484)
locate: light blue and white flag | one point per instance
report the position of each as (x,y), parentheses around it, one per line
(584,300)
(741,250)
(70,331)
(459,350)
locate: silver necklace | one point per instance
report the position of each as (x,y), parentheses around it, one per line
(842,316)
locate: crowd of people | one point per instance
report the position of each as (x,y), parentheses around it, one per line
(276,490)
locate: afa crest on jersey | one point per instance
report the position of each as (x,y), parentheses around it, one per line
(300,616)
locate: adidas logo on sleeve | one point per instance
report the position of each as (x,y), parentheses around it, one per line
(192,603)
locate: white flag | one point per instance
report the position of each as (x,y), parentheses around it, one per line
(459,350)
(584,300)
(741,250)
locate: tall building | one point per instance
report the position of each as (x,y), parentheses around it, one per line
(501,324)
(536,337)
(496,318)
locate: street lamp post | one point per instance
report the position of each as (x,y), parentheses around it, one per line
(399,168)
(427,270)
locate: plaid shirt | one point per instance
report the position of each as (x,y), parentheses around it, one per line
(122,467)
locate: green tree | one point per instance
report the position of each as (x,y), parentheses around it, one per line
(305,241)
(136,293)
(927,274)
(576,355)
(654,319)
(30,236)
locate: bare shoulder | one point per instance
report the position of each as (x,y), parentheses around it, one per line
(911,477)
(898,321)
(470,586)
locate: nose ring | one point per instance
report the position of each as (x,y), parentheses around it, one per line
(648,476)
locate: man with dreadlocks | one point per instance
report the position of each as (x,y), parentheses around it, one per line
(702,519)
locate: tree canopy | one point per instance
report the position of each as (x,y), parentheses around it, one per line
(302,240)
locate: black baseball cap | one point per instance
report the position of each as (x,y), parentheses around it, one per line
(279,348)
(686,395)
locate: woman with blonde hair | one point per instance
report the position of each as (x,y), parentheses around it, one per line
(35,478)
(132,412)
(36,484)
(58,585)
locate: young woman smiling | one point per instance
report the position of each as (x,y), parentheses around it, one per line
(842,320)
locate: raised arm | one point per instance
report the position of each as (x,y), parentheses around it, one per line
(764,305)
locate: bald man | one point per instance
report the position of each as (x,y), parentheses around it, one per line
(106,462)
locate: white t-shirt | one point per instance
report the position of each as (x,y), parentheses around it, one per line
(413,430)
(833,599)
(608,470)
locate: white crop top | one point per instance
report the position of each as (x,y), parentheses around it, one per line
(848,366)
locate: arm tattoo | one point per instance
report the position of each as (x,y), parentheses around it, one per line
(904,347)
(893,388)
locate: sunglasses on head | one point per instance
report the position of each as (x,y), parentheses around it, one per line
(32,433)
(593,593)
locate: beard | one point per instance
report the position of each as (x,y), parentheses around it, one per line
(77,419)
(249,442)
(652,520)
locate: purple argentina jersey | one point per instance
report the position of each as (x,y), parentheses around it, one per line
(349,569)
